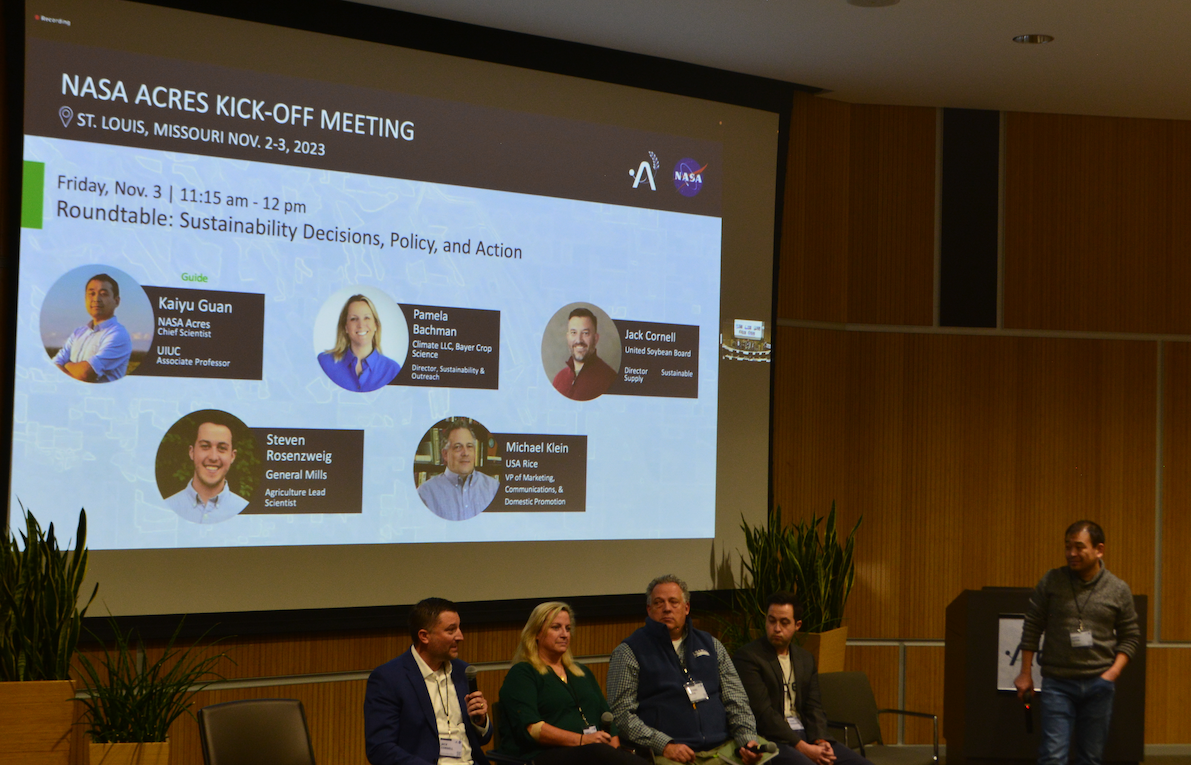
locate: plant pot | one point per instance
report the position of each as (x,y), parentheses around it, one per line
(35,721)
(157,753)
(827,648)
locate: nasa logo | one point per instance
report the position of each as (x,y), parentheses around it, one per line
(688,177)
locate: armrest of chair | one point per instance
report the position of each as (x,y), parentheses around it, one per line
(934,718)
(496,758)
(844,726)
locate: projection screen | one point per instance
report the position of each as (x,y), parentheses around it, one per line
(306,321)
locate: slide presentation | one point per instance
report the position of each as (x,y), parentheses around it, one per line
(258,310)
(310,301)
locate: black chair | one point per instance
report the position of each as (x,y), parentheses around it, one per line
(255,732)
(850,706)
(499,758)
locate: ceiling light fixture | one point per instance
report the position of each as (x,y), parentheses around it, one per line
(873,3)
(1033,39)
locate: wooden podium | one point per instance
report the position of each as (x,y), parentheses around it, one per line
(986,726)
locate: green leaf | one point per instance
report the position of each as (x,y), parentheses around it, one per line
(129,703)
(794,558)
(40,616)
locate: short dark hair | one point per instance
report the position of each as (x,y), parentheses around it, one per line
(586,314)
(1095,533)
(215,417)
(105,278)
(785,598)
(424,615)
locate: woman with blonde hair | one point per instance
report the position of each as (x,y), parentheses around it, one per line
(550,705)
(356,362)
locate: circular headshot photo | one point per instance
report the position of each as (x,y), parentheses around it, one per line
(208,466)
(352,332)
(581,351)
(457,468)
(96,324)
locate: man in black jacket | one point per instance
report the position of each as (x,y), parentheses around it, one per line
(782,684)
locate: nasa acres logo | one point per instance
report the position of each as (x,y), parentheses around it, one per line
(688,177)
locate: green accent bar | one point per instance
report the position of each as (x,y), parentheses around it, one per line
(32,194)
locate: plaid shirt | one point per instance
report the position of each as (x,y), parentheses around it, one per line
(623,671)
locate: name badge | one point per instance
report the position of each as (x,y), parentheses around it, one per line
(1081,639)
(590,730)
(794,722)
(450,748)
(695,691)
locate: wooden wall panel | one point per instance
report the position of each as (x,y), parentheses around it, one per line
(600,672)
(814,247)
(286,655)
(859,214)
(484,644)
(1176,492)
(968,457)
(875,471)
(324,653)
(1096,230)
(809,444)
(880,664)
(924,692)
(1168,695)
(891,215)
(598,638)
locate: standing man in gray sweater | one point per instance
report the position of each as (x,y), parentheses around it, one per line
(1091,632)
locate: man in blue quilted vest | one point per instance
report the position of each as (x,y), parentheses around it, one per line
(674,689)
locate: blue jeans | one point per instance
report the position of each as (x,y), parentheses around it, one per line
(1075,712)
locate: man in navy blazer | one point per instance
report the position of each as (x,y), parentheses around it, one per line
(417,710)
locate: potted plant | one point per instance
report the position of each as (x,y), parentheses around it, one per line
(825,572)
(40,620)
(130,703)
(795,558)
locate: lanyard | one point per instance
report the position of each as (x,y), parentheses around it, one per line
(1075,597)
(789,682)
(574,697)
(681,659)
(445,700)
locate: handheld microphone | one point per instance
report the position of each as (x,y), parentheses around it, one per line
(470,673)
(767,748)
(606,722)
(1027,700)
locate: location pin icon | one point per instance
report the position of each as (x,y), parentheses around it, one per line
(66,113)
